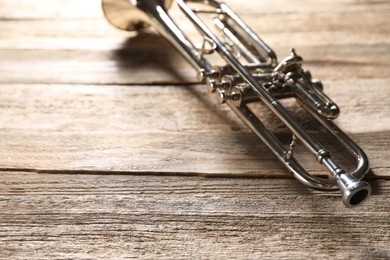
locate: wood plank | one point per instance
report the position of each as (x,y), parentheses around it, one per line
(96,123)
(70,9)
(88,51)
(117,216)
(143,65)
(47,9)
(165,129)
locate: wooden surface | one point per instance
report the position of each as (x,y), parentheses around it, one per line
(107,140)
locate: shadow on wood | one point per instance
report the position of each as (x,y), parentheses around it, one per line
(149,51)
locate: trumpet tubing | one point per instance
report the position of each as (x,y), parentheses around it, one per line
(252,73)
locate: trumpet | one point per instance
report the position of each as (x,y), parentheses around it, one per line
(251,73)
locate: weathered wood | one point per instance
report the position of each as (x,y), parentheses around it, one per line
(81,47)
(134,62)
(94,123)
(163,129)
(117,216)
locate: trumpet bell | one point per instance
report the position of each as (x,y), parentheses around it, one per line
(127,14)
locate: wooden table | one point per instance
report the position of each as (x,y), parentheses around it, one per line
(111,149)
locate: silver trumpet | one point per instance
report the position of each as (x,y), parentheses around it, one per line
(251,73)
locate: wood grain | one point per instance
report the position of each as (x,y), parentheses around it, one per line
(114,128)
(124,216)
(81,47)
(106,138)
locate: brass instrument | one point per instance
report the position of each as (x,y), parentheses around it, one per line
(262,78)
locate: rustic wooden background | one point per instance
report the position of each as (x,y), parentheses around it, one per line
(107,140)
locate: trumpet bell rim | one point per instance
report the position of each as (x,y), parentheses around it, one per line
(125,14)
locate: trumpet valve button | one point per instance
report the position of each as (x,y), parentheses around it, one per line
(203,74)
(224,96)
(211,85)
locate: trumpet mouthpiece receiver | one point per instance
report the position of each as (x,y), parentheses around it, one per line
(354,192)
